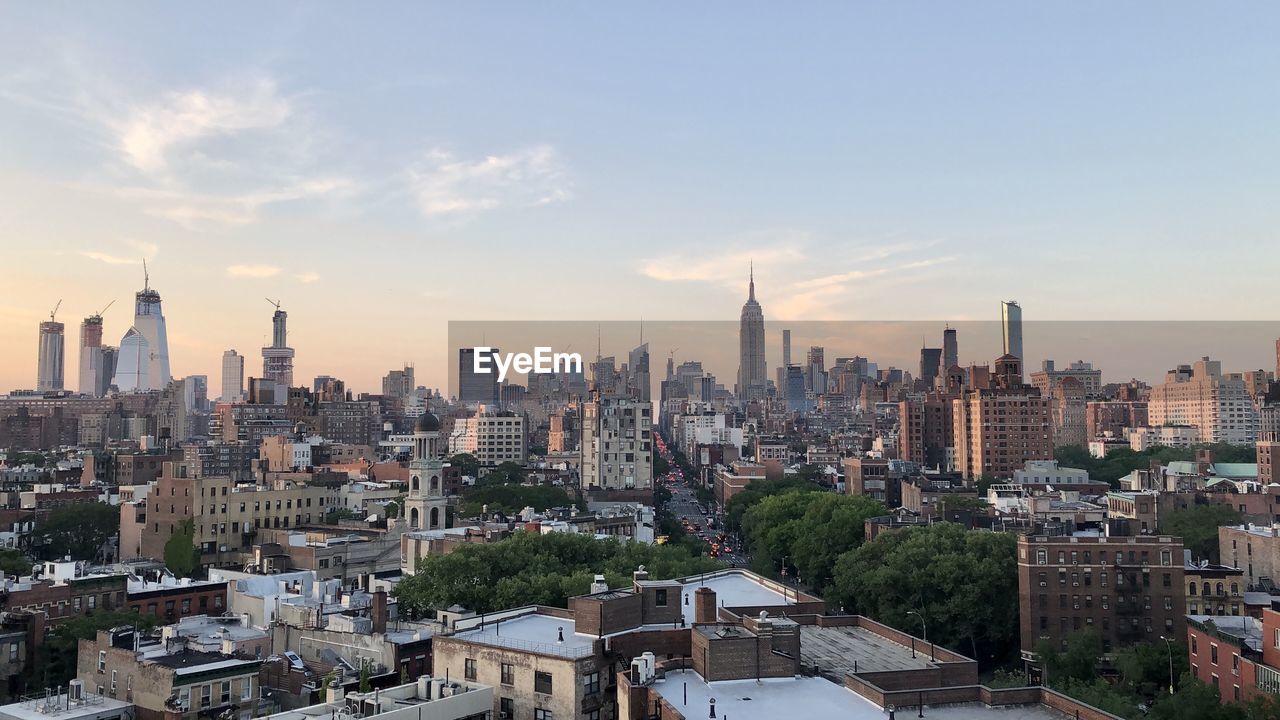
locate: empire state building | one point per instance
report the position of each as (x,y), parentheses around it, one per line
(752,383)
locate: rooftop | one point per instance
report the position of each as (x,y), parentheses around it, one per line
(809,697)
(533,631)
(57,706)
(737,588)
(855,649)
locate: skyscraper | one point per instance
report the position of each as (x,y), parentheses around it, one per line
(786,348)
(49,372)
(232,377)
(97,362)
(474,387)
(752,375)
(277,359)
(143,360)
(1011,322)
(638,373)
(950,349)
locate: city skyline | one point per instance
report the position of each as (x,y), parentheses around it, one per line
(261,162)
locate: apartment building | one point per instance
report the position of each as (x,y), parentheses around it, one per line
(617,443)
(1198,396)
(997,429)
(225,514)
(1255,549)
(492,436)
(169,678)
(1127,589)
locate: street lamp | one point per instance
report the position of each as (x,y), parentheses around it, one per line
(1169,644)
(925,625)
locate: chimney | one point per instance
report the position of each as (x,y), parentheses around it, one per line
(380,611)
(599,585)
(704,605)
(640,574)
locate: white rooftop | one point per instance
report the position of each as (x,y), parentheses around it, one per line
(734,589)
(807,697)
(535,632)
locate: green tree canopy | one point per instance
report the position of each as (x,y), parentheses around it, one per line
(511,499)
(963,583)
(809,529)
(14,562)
(79,531)
(530,569)
(181,555)
(1198,527)
(1122,461)
(469,463)
(757,490)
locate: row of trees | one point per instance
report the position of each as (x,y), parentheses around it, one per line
(538,569)
(503,490)
(1141,686)
(803,532)
(1122,461)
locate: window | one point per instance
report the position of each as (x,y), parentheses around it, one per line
(508,674)
(206,695)
(660,597)
(102,661)
(507,707)
(540,714)
(542,683)
(469,668)
(246,688)
(225,696)
(113,683)
(1213,654)
(13,651)
(591,683)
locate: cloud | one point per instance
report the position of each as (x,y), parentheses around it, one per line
(145,250)
(730,268)
(308,277)
(447,186)
(253,271)
(151,131)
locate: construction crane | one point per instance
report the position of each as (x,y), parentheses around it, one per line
(53,316)
(108,307)
(274,302)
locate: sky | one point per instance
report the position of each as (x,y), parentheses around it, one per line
(385,169)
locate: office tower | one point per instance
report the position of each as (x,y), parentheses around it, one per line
(671,367)
(320,382)
(143,360)
(638,373)
(1200,397)
(49,372)
(232,377)
(1011,328)
(196,392)
(400,383)
(786,348)
(950,349)
(97,362)
(474,387)
(617,450)
(752,375)
(277,359)
(816,370)
(794,389)
(930,366)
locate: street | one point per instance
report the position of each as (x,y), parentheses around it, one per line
(697,519)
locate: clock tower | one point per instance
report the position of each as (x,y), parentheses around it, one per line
(425,506)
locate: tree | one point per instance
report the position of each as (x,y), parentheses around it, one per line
(365,685)
(337,515)
(14,562)
(757,490)
(809,529)
(181,555)
(530,568)
(469,463)
(963,583)
(1078,662)
(78,531)
(1198,527)
(1195,701)
(511,499)
(1144,666)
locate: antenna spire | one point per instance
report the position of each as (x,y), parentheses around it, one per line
(146,276)
(751,280)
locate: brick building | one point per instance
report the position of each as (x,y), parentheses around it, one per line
(1127,589)
(997,429)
